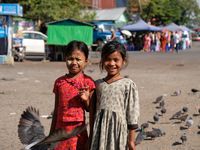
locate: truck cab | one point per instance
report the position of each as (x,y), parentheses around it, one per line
(102,33)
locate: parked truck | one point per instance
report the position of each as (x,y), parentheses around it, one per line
(102,33)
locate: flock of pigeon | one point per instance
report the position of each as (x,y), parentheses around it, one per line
(31,131)
(181,117)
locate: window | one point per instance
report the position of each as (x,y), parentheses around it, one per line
(28,36)
(39,37)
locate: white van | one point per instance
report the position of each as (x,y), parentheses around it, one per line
(34,43)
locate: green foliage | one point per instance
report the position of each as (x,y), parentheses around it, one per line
(51,10)
(166,11)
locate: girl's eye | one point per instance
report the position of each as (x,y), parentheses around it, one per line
(78,59)
(116,60)
(70,58)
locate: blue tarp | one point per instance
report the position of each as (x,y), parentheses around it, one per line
(184,28)
(172,27)
(141,25)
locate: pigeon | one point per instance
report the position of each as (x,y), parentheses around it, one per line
(183,138)
(182,118)
(179,113)
(176,143)
(140,137)
(142,127)
(194,91)
(156,117)
(156,132)
(162,104)
(185,109)
(176,93)
(159,98)
(189,122)
(31,132)
(163,110)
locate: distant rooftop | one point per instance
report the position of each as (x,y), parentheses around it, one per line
(109,14)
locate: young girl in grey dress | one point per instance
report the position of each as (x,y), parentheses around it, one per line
(114,111)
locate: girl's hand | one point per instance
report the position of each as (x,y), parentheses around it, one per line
(84,94)
(131,145)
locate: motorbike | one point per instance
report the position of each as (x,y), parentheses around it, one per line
(18,50)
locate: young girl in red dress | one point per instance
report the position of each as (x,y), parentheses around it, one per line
(72,94)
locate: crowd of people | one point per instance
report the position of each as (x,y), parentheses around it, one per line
(165,41)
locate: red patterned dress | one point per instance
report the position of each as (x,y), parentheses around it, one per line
(71,110)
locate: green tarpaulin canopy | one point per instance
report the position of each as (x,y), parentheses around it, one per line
(64,31)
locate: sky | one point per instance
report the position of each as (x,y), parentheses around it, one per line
(198,2)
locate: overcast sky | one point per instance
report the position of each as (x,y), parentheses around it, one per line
(198,2)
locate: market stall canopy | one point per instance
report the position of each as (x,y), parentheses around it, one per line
(141,25)
(172,27)
(63,31)
(184,28)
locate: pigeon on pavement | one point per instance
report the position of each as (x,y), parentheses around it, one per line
(163,110)
(189,122)
(142,127)
(159,98)
(179,113)
(162,104)
(183,138)
(156,117)
(194,90)
(156,132)
(31,132)
(140,137)
(176,93)
(182,118)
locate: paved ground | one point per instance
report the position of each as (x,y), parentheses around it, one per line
(30,83)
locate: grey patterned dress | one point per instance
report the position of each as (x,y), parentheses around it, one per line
(117,110)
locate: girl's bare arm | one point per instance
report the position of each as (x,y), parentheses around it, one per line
(131,140)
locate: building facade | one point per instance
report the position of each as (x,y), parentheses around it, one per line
(105,4)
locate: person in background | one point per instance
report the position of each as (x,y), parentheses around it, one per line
(113,35)
(114,112)
(177,41)
(163,41)
(72,96)
(147,42)
(158,36)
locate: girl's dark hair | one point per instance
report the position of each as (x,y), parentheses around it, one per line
(76,45)
(111,47)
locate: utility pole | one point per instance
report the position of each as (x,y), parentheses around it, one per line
(140,6)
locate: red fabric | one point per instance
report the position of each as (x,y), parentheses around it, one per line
(75,143)
(70,108)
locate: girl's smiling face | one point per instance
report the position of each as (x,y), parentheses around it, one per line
(113,63)
(76,62)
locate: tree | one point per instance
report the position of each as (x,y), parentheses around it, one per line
(166,11)
(50,10)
